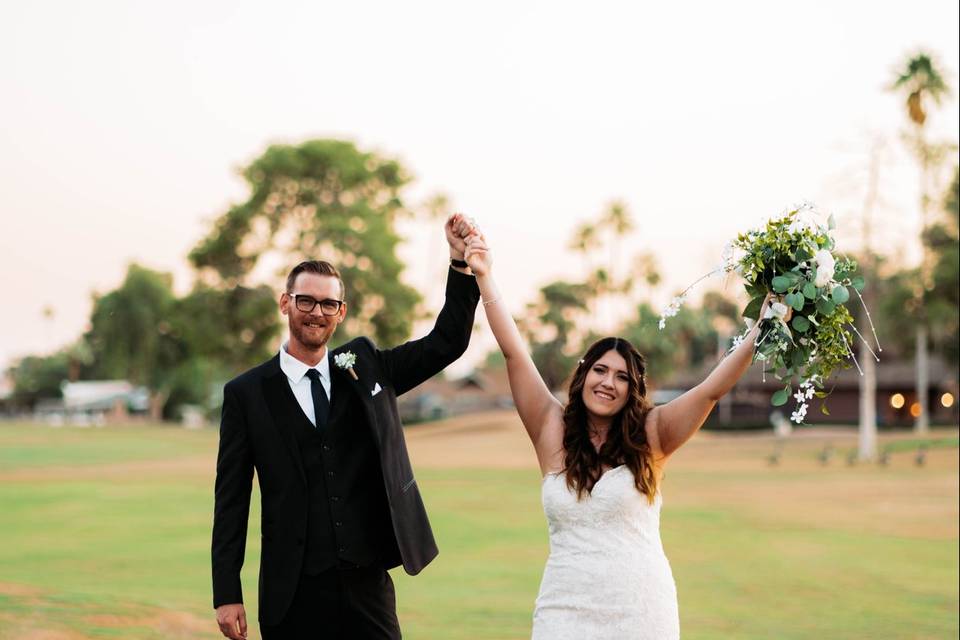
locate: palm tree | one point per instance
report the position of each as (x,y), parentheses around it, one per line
(616,219)
(585,238)
(921,82)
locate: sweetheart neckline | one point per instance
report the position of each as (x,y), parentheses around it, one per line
(557,474)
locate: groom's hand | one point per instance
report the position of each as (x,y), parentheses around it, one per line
(457,228)
(233,621)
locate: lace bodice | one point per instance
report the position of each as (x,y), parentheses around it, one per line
(607,575)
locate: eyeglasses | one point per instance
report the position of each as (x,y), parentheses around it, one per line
(307,304)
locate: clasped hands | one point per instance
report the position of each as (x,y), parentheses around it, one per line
(468,243)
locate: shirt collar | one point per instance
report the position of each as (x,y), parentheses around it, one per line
(295,369)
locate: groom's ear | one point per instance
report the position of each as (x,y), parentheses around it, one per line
(284,303)
(343,312)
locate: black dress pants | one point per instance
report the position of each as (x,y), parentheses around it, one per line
(340,604)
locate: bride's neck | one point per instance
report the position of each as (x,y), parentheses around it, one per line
(598,427)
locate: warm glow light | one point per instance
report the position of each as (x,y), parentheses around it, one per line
(915,409)
(946,399)
(897,400)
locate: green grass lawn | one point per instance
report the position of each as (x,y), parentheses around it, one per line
(104,533)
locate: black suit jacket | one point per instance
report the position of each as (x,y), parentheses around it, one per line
(250,439)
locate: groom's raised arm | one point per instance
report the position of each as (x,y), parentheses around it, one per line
(413,362)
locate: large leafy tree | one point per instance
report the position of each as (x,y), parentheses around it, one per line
(234,327)
(219,332)
(179,348)
(130,333)
(323,199)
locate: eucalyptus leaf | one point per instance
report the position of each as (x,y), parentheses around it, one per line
(800,323)
(780,398)
(797,301)
(858,283)
(825,307)
(780,284)
(810,291)
(840,294)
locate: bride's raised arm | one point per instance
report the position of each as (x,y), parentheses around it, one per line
(537,407)
(678,420)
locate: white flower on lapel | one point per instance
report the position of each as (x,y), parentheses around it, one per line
(346,360)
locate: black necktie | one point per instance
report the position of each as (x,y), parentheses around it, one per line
(321,405)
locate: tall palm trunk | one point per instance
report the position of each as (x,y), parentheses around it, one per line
(867,440)
(867,434)
(921,422)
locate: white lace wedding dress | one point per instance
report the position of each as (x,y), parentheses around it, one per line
(607,576)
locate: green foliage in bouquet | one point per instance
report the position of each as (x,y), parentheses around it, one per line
(793,257)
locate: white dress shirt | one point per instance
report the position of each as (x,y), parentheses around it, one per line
(296,373)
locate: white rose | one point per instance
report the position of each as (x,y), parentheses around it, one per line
(825,267)
(776,310)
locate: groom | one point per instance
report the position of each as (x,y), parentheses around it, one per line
(339,503)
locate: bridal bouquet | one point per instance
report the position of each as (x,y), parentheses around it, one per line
(793,257)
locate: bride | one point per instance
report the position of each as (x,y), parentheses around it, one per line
(602,457)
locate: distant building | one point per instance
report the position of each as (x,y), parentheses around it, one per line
(748,404)
(439,397)
(95,402)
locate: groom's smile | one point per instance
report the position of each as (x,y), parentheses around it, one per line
(314,307)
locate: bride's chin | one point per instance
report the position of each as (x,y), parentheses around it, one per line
(600,412)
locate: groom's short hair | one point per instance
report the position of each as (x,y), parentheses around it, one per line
(319,267)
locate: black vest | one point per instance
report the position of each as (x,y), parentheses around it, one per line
(348,523)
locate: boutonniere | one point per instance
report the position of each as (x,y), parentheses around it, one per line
(346,360)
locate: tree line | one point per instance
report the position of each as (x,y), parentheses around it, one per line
(327,198)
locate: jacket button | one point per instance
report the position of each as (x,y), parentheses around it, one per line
(339,524)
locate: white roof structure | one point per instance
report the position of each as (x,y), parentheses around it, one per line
(91,395)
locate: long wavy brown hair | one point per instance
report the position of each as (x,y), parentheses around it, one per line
(626,442)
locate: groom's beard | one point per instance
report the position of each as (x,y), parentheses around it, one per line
(312,337)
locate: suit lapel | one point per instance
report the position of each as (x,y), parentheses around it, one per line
(285,411)
(342,378)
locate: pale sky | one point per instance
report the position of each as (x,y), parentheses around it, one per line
(123,124)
